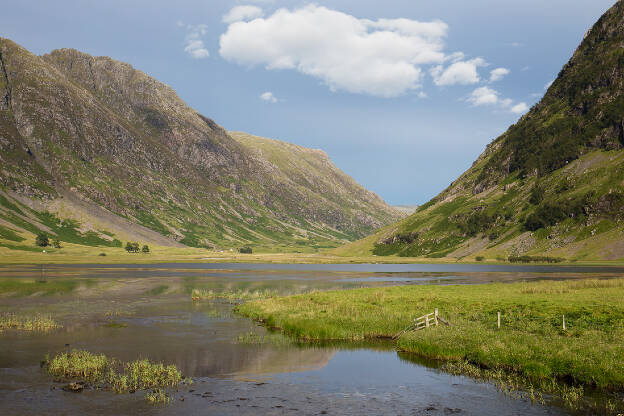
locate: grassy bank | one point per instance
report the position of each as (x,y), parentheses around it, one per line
(80,254)
(530,343)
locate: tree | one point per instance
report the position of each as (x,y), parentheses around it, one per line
(145,249)
(56,243)
(42,240)
(132,247)
(245,250)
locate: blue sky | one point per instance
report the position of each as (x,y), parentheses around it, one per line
(403,94)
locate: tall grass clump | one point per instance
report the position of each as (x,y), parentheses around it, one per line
(115,375)
(37,323)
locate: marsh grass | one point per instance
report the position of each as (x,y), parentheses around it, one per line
(232,295)
(530,345)
(157,396)
(118,376)
(253,338)
(36,323)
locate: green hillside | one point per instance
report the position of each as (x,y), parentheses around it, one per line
(551,186)
(93,151)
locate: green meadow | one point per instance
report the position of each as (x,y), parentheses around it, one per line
(530,343)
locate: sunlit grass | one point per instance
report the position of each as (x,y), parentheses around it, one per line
(118,376)
(36,323)
(531,342)
(232,295)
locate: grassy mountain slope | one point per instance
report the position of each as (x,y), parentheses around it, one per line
(552,185)
(96,144)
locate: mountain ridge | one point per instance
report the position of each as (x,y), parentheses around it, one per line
(110,136)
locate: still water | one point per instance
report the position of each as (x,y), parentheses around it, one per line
(145,311)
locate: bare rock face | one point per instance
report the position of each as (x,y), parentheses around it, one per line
(114,136)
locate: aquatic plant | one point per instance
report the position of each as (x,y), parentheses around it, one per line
(253,338)
(157,396)
(232,295)
(118,376)
(39,323)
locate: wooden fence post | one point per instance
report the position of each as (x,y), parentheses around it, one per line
(435,316)
(498,320)
(563,320)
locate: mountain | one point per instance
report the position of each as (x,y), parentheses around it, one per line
(94,151)
(552,185)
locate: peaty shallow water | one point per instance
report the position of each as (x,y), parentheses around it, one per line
(131,312)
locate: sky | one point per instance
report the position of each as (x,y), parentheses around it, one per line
(403,95)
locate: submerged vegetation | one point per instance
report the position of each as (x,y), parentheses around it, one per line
(115,375)
(530,344)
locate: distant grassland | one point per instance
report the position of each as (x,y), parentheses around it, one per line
(530,343)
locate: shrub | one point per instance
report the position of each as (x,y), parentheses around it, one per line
(534,259)
(57,243)
(476,222)
(245,250)
(537,195)
(132,247)
(42,240)
(479,258)
(102,254)
(145,249)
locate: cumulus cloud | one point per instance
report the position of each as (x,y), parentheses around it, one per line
(520,108)
(484,96)
(498,74)
(193,44)
(460,72)
(383,57)
(242,13)
(268,97)
(488,96)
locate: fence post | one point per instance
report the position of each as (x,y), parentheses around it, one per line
(498,320)
(427,321)
(435,316)
(563,320)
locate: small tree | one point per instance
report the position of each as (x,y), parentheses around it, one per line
(57,243)
(42,240)
(145,249)
(132,247)
(245,250)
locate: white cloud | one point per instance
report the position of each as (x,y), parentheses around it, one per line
(268,97)
(243,13)
(489,96)
(193,45)
(498,74)
(381,58)
(484,96)
(520,108)
(461,72)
